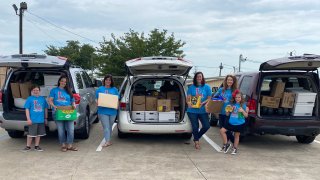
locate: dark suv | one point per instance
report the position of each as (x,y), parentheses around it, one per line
(297,73)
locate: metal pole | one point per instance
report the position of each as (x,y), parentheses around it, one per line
(221,67)
(240,58)
(20,30)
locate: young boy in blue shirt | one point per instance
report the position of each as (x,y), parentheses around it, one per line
(37,113)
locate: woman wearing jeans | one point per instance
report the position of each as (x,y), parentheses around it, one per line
(199,88)
(107,115)
(62,96)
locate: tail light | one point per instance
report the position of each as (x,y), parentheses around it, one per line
(252,105)
(0,96)
(77,98)
(123,106)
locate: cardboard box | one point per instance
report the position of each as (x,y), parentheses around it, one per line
(214,106)
(25,89)
(287,100)
(277,89)
(271,102)
(65,107)
(15,89)
(3,70)
(175,97)
(164,105)
(138,103)
(108,100)
(2,80)
(66,113)
(167,116)
(151,103)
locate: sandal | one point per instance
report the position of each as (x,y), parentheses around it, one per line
(72,148)
(197,144)
(64,149)
(107,144)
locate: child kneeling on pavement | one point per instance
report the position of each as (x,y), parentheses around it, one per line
(236,123)
(37,112)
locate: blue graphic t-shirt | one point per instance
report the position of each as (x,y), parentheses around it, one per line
(36,106)
(61,97)
(105,110)
(203,91)
(237,118)
(227,95)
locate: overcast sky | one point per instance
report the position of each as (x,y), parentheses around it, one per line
(214,31)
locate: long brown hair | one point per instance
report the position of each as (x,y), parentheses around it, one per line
(233,99)
(234,85)
(67,87)
(203,82)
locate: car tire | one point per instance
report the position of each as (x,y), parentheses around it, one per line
(186,135)
(213,120)
(84,131)
(15,134)
(305,139)
(122,135)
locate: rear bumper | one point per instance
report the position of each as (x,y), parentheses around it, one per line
(20,124)
(286,127)
(127,126)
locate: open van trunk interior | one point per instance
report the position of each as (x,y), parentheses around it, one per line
(19,89)
(157,100)
(289,96)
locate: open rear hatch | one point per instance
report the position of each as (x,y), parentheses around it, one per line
(158,66)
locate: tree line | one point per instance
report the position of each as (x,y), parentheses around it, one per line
(110,56)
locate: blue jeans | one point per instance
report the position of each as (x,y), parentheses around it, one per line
(63,127)
(107,122)
(194,119)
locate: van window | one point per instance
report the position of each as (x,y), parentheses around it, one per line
(86,79)
(290,82)
(79,80)
(245,85)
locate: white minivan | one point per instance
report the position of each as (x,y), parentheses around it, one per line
(154,78)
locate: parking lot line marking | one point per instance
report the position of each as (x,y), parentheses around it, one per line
(99,148)
(213,144)
(317,141)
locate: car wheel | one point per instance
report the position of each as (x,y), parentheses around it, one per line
(186,135)
(122,135)
(305,139)
(213,120)
(85,129)
(15,134)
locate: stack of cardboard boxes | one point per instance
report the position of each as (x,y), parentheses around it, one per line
(293,99)
(158,107)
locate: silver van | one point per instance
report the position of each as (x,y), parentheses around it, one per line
(24,69)
(151,80)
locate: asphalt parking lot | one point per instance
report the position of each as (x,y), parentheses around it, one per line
(160,157)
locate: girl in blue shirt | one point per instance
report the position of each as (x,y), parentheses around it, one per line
(62,96)
(107,115)
(198,88)
(230,84)
(236,123)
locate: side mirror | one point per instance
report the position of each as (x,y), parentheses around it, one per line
(97,83)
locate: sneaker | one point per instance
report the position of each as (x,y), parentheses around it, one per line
(227,147)
(26,149)
(38,148)
(223,147)
(234,151)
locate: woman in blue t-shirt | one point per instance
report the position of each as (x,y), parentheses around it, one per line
(239,111)
(107,115)
(62,96)
(199,89)
(229,86)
